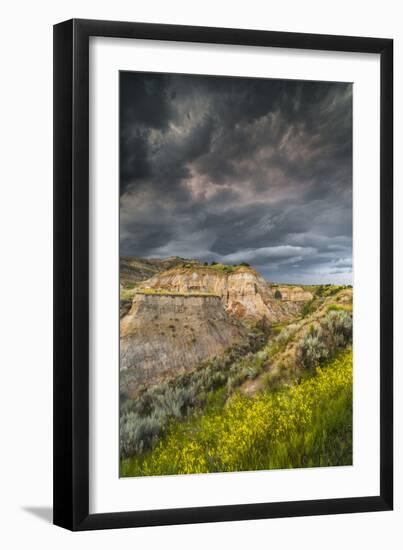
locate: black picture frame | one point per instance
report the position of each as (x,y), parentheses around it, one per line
(71,274)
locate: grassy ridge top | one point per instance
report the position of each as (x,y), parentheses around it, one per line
(127,294)
(163,292)
(220,269)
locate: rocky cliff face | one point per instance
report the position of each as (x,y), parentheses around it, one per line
(294,294)
(185,313)
(165,335)
(244,292)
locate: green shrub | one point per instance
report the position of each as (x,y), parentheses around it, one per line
(324,291)
(320,290)
(339,325)
(312,349)
(278,295)
(223,267)
(308,308)
(138,434)
(284,336)
(264,326)
(320,342)
(130,284)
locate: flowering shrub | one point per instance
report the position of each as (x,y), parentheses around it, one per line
(309,424)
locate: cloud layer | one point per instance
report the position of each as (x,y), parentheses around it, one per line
(236,169)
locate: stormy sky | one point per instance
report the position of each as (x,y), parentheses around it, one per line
(238,170)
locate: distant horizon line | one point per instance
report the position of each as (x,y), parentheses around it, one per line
(241,264)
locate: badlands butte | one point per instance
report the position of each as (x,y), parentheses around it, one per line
(176,313)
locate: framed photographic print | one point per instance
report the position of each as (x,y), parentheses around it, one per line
(223,274)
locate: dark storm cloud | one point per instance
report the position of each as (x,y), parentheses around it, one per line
(233,169)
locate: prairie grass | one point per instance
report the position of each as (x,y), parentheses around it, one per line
(126,294)
(303,425)
(224,267)
(340,307)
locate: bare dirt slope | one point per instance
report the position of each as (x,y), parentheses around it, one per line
(166,335)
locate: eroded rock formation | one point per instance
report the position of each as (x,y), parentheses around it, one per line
(244,292)
(294,294)
(186,314)
(165,335)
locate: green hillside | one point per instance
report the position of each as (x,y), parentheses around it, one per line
(281,400)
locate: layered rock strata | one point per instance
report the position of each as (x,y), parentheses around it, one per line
(166,335)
